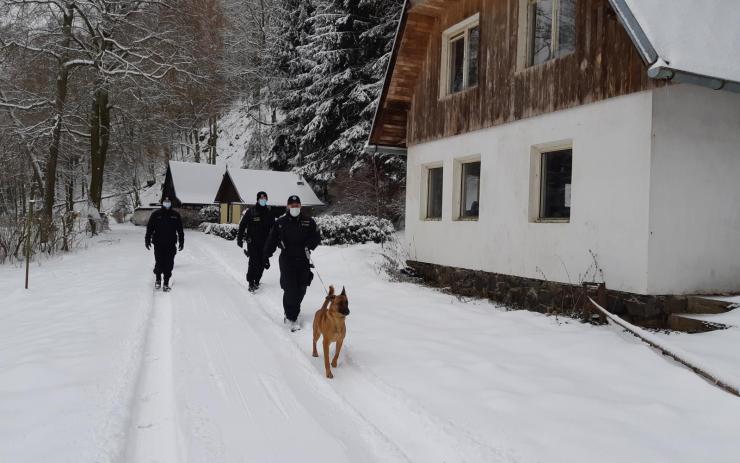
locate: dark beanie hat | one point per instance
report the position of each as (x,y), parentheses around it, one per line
(261,194)
(294,200)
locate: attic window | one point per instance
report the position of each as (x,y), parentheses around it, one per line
(460,50)
(550,30)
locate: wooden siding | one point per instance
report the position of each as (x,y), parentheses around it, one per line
(604,65)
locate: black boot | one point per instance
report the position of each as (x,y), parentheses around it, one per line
(158,282)
(252,287)
(166,288)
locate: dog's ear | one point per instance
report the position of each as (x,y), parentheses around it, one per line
(331,290)
(344,292)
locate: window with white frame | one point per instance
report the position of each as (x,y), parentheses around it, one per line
(460,51)
(470,190)
(551,30)
(434,193)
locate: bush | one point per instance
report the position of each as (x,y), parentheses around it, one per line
(210,214)
(351,229)
(335,229)
(226,231)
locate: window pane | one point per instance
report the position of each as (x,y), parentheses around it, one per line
(541,30)
(473,46)
(566,27)
(457,61)
(470,189)
(434,196)
(556,177)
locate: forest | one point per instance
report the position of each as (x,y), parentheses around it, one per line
(96,96)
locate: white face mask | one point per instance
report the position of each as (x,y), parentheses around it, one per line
(262,202)
(294,211)
(167,204)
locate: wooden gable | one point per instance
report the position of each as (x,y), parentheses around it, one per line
(605,64)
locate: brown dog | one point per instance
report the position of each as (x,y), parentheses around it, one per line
(329,323)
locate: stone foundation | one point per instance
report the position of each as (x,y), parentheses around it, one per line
(552,297)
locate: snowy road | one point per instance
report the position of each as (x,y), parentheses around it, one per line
(95,366)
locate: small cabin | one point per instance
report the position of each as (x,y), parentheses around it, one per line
(239,187)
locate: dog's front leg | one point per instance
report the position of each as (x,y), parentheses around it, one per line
(336,354)
(326,358)
(316,336)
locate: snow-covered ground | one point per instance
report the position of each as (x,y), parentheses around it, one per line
(95,366)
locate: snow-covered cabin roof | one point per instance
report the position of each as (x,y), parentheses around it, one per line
(278,186)
(195,183)
(690,41)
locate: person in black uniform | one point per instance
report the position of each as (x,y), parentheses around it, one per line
(256,224)
(296,235)
(164,230)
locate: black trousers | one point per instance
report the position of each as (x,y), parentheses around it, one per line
(295,277)
(164,261)
(256,265)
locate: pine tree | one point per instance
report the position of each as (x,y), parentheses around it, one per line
(339,59)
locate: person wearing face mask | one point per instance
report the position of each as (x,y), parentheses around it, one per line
(164,230)
(255,225)
(296,234)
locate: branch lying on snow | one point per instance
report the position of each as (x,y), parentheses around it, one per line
(684,358)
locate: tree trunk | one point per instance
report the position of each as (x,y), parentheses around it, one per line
(212,139)
(56,135)
(197,145)
(100,136)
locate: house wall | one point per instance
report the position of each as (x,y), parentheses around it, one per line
(695,191)
(610,188)
(605,64)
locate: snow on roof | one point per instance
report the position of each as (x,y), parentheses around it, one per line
(278,186)
(691,36)
(196,183)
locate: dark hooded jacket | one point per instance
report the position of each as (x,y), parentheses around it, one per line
(164,229)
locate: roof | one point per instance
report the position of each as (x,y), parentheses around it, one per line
(686,40)
(278,186)
(195,183)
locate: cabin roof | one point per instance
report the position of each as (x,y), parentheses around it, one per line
(242,185)
(682,40)
(195,183)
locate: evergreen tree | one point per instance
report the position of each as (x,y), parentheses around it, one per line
(338,63)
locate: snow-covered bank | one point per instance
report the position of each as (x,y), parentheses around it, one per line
(97,368)
(70,351)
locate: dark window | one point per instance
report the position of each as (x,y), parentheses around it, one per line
(470,189)
(457,63)
(552,30)
(566,27)
(474,45)
(541,31)
(434,193)
(463,49)
(557,167)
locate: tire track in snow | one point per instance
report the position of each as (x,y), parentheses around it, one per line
(154,434)
(444,441)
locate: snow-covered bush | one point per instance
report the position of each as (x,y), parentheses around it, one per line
(350,229)
(209,214)
(335,229)
(226,231)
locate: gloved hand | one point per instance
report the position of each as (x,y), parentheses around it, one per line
(182,245)
(240,243)
(148,246)
(267,264)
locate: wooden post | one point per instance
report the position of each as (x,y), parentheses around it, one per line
(29,231)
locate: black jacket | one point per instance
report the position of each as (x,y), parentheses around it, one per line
(256,224)
(293,235)
(164,229)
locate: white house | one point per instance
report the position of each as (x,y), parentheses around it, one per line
(570,140)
